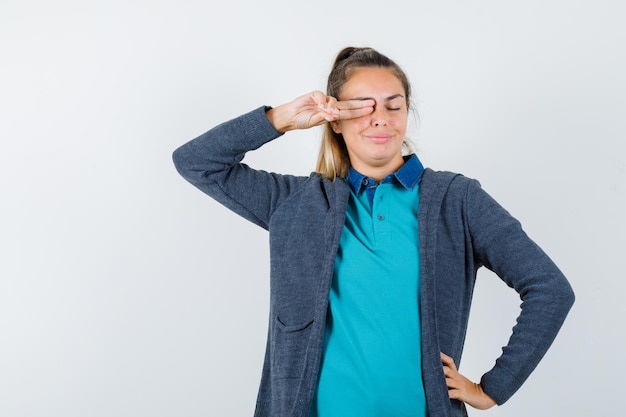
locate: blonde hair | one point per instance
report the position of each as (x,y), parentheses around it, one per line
(333,160)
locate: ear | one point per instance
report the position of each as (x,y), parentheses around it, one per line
(335,126)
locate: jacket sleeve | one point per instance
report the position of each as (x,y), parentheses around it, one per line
(212,163)
(501,245)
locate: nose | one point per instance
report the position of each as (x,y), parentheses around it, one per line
(378,117)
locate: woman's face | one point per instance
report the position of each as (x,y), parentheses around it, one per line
(374,141)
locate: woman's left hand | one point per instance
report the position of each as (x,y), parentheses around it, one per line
(462,389)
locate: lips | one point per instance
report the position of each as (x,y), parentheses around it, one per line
(379,137)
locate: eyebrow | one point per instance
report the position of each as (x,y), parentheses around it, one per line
(386,99)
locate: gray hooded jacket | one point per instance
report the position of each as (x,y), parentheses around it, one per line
(461,228)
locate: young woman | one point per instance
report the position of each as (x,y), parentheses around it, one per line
(374,257)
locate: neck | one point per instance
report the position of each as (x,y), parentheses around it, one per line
(380,172)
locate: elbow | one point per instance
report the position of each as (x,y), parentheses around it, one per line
(570,296)
(564,297)
(181,161)
(177,158)
(566,292)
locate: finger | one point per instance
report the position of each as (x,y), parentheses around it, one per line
(320,102)
(329,109)
(447,361)
(318,97)
(449,372)
(351,109)
(355,104)
(314,120)
(453,383)
(336,110)
(455,394)
(353,113)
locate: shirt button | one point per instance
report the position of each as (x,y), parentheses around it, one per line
(381,217)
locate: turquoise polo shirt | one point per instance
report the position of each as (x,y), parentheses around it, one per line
(371,365)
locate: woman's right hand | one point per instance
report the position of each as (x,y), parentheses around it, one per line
(462,389)
(314,109)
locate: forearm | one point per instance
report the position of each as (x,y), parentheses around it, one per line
(545,306)
(212,163)
(224,145)
(502,246)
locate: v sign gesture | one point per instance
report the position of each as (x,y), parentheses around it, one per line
(314,109)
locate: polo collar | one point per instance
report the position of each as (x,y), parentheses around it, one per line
(408,175)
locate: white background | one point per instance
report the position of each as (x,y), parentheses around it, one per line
(126,292)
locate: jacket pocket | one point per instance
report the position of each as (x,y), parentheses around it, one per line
(289,345)
(290,328)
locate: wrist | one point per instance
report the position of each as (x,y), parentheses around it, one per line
(486,402)
(279,118)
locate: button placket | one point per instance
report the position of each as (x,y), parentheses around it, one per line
(379,212)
